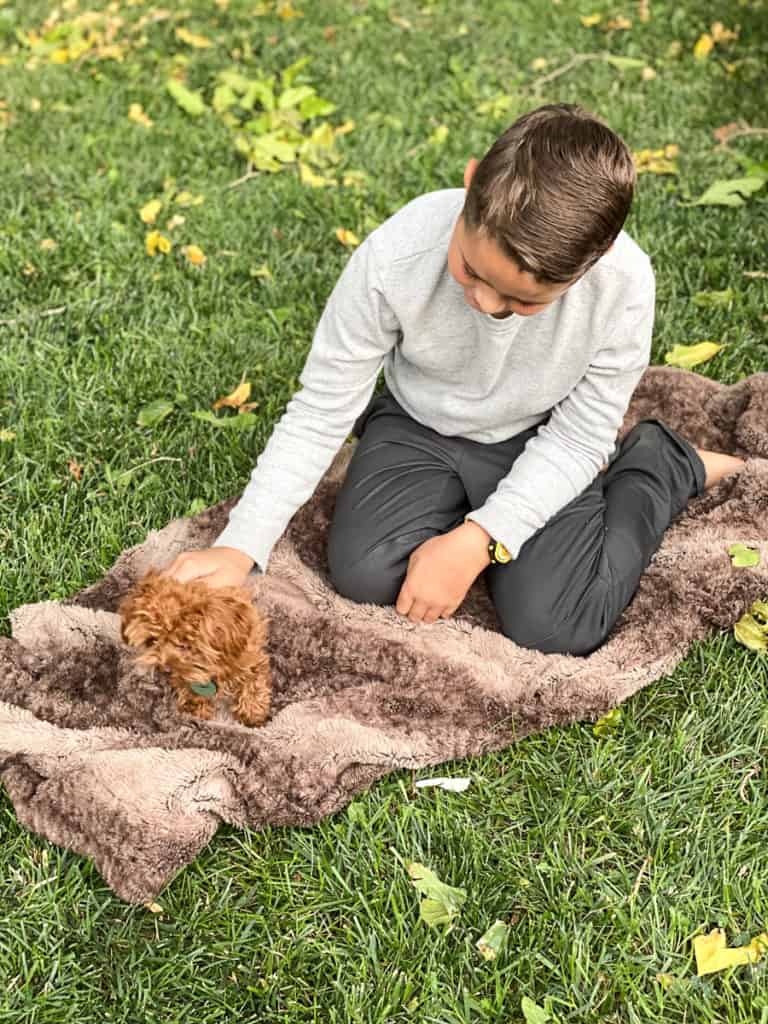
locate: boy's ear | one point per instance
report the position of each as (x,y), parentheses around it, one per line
(469,171)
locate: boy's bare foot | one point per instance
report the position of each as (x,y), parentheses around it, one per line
(719,465)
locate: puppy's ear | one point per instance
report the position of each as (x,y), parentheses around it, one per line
(224,623)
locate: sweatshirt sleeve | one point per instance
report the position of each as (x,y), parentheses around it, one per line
(355,332)
(568,451)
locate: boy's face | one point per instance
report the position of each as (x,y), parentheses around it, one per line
(493,283)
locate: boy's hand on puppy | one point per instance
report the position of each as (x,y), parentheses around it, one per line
(216,567)
(441,571)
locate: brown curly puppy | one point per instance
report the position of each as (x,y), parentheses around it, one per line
(201,635)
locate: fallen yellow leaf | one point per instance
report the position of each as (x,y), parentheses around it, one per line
(199,42)
(194,254)
(538,64)
(150,210)
(286,10)
(239,396)
(348,238)
(712,954)
(656,161)
(648,74)
(48,245)
(344,129)
(175,222)
(703,46)
(262,271)
(619,22)
(588,20)
(187,199)
(155,242)
(308,177)
(721,34)
(138,116)
(354,179)
(688,356)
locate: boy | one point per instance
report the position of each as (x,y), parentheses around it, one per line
(513,321)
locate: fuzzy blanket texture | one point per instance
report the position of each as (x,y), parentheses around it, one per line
(95,757)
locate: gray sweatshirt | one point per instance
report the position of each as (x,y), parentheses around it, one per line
(460,372)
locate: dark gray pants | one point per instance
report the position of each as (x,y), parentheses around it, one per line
(571,580)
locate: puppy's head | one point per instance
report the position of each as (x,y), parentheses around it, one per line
(188,629)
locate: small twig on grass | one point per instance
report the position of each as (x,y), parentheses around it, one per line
(46,312)
(754,770)
(250,173)
(639,878)
(576,59)
(141,465)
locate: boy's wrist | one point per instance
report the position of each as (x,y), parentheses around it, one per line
(480,538)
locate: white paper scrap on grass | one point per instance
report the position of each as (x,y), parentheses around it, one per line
(454,785)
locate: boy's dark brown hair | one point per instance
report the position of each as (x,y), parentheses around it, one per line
(553,191)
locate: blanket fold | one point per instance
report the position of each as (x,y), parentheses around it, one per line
(96,758)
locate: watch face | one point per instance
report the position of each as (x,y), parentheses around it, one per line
(500,553)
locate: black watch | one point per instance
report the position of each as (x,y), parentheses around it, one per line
(497,551)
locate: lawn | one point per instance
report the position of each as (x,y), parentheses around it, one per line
(604,854)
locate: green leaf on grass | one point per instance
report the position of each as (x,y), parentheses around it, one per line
(688,356)
(608,723)
(242,421)
(292,70)
(743,556)
(752,168)
(491,942)
(315,106)
(196,506)
(733,192)
(625,63)
(714,299)
(154,413)
(191,102)
(752,628)
(293,97)
(261,90)
(533,1013)
(443,902)
(224,97)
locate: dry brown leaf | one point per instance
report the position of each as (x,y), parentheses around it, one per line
(75,469)
(726,131)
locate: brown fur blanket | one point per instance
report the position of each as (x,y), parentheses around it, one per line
(95,757)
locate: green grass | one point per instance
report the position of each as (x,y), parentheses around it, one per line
(554,835)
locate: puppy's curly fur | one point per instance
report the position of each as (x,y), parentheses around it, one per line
(196,633)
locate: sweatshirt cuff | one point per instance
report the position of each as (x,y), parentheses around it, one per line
(234,537)
(497,523)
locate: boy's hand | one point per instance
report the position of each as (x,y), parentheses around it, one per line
(216,567)
(441,571)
